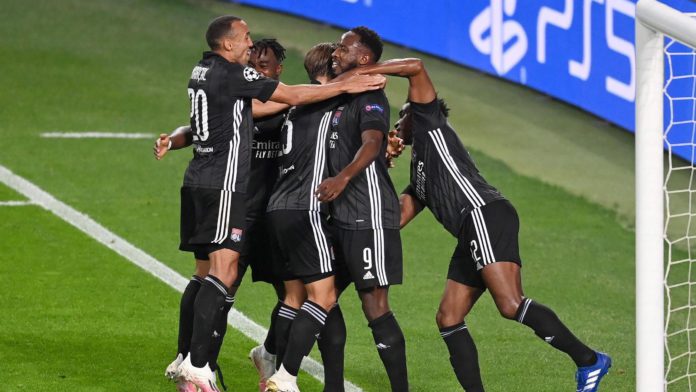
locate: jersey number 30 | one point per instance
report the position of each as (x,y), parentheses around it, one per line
(199,113)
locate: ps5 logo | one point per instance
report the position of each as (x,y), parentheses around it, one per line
(491,34)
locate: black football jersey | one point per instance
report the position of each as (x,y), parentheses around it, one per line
(303,163)
(369,200)
(265,152)
(443,176)
(220,93)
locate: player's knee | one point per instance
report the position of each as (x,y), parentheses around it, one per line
(508,309)
(374,306)
(446,317)
(294,299)
(325,300)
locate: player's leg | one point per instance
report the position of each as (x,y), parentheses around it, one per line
(310,320)
(222,229)
(294,298)
(331,344)
(374,260)
(498,227)
(308,249)
(269,344)
(186,323)
(457,301)
(265,355)
(190,215)
(332,340)
(220,328)
(186,316)
(387,334)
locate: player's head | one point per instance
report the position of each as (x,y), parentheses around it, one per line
(359,46)
(317,61)
(267,57)
(229,36)
(404,125)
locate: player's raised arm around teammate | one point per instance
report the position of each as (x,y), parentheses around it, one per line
(421,89)
(309,93)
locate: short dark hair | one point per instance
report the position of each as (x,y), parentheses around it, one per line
(443,107)
(264,44)
(371,39)
(218,28)
(317,61)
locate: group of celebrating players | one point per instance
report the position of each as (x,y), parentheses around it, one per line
(293,181)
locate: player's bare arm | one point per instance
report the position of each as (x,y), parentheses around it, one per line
(420,90)
(264,109)
(332,187)
(410,207)
(310,93)
(181,137)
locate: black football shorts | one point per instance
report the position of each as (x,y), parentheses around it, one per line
(372,257)
(212,219)
(489,235)
(305,246)
(258,254)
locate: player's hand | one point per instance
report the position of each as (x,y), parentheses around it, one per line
(359,83)
(395,146)
(331,188)
(161,146)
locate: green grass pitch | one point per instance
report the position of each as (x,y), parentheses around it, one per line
(76,316)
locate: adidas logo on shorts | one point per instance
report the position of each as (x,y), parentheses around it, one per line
(368,275)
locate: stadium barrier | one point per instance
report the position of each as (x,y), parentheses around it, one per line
(579,51)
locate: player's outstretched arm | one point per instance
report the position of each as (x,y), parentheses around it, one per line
(264,109)
(179,138)
(308,93)
(410,207)
(332,187)
(420,87)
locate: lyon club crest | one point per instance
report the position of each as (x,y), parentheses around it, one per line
(236,235)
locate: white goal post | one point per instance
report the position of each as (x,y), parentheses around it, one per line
(654,21)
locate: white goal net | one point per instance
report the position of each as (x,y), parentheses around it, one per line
(665,199)
(680,215)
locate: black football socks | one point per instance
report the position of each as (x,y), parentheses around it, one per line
(303,333)
(391,347)
(331,343)
(270,343)
(463,356)
(210,303)
(283,323)
(219,332)
(186,314)
(549,327)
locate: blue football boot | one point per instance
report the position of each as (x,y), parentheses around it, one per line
(588,377)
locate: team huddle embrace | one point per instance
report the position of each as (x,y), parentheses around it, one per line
(292,182)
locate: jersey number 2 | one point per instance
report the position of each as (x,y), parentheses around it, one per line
(199,113)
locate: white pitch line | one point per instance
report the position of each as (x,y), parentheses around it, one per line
(16,203)
(143,260)
(97,135)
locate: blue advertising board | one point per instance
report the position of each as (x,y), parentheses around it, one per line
(579,51)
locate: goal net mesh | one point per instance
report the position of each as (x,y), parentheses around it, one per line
(680,214)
